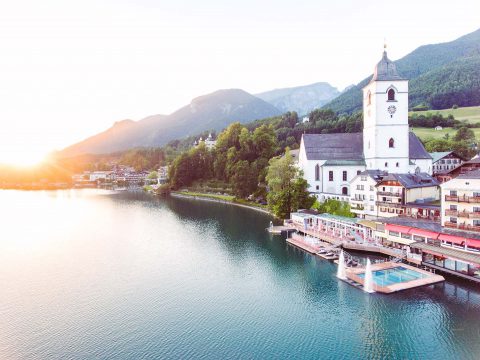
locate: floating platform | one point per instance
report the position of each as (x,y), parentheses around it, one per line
(326,257)
(425,277)
(278,230)
(300,244)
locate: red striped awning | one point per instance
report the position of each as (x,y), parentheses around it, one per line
(422,232)
(453,239)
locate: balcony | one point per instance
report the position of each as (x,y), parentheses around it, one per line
(467,214)
(387,193)
(388,204)
(469,227)
(451,198)
(452,225)
(464,198)
(451,212)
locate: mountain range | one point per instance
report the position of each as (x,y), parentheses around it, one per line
(441,75)
(302,99)
(214,111)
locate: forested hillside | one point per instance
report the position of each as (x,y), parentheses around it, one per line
(450,69)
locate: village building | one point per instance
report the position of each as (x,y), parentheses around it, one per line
(443,162)
(461,202)
(413,195)
(331,161)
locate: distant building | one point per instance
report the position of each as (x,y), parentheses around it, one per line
(443,162)
(305,119)
(438,128)
(209,142)
(463,168)
(163,174)
(363,196)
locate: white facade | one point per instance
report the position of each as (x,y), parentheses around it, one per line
(461,202)
(385,144)
(363,196)
(386,131)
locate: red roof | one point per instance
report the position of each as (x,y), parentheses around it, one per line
(453,239)
(422,232)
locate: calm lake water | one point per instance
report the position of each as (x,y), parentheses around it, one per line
(97,275)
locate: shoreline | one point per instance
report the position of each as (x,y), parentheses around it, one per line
(211,199)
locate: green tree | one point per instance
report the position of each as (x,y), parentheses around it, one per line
(464,134)
(335,207)
(287,190)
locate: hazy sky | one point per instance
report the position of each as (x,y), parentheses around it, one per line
(69,69)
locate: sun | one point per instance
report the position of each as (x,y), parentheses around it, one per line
(21,158)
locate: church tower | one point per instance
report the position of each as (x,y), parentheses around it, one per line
(385,119)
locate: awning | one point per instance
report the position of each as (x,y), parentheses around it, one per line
(426,233)
(400,240)
(454,254)
(368,223)
(397,228)
(473,242)
(453,239)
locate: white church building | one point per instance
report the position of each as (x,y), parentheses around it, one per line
(330,161)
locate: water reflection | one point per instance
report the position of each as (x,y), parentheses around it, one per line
(89,274)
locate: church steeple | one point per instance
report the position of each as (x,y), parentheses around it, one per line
(385,70)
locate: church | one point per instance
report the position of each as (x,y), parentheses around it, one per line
(330,161)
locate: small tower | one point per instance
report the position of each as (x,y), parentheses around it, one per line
(385,119)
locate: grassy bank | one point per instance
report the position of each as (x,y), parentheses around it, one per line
(425,133)
(469,114)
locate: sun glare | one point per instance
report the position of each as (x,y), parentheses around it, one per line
(21,158)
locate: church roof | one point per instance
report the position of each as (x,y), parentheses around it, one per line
(416,148)
(386,70)
(334,146)
(350,147)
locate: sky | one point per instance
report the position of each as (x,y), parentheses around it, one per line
(70,69)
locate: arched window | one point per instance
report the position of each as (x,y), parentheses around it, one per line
(386,164)
(398,164)
(344,190)
(391,95)
(317,172)
(391,143)
(369,98)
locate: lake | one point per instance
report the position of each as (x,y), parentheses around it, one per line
(89,274)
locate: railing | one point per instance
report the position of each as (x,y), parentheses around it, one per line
(451,225)
(388,193)
(469,227)
(464,198)
(388,204)
(451,198)
(451,212)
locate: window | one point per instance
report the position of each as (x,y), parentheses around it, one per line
(394,233)
(330,175)
(391,95)
(372,208)
(453,207)
(363,178)
(371,198)
(406,236)
(371,188)
(453,220)
(317,172)
(453,192)
(369,98)
(476,222)
(358,172)
(344,176)
(386,164)
(391,143)
(418,238)
(317,187)
(398,164)
(476,209)
(476,194)
(344,190)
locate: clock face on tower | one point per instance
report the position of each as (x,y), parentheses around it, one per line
(391,109)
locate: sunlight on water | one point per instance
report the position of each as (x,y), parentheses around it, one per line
(96,274)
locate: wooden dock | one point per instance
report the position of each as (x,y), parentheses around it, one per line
(278,230)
